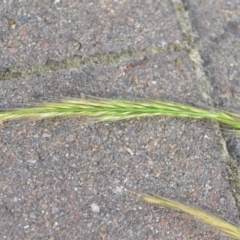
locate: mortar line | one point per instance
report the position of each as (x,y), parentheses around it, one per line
(77,62)
(205,87)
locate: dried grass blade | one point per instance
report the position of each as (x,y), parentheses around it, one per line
(222,225)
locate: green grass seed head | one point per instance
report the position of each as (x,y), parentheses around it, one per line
(113,110)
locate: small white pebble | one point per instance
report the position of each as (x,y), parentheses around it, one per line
(89,225)
(32,161)
(163,43)
(26,227)
(208,186)
(206,136)
(117,190)
(130,151)
(46,135)
(95,207)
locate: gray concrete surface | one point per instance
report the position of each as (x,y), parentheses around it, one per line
(68,179)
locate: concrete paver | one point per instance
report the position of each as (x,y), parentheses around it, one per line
(219,35)
(68,179)
(34,31)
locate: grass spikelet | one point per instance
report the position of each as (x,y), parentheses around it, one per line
(113,110)
(225,227)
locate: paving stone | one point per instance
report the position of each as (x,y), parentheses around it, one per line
(68,178)
(34,31)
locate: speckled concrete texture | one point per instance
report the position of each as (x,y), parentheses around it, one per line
(219,34)
(33,31)
(218,26)
(67,178)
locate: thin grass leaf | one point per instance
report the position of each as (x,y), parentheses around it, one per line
(222,225)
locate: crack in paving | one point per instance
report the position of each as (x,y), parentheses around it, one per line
(77,62)
(233,175)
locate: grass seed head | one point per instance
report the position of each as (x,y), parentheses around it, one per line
(113,110)
(225,227)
